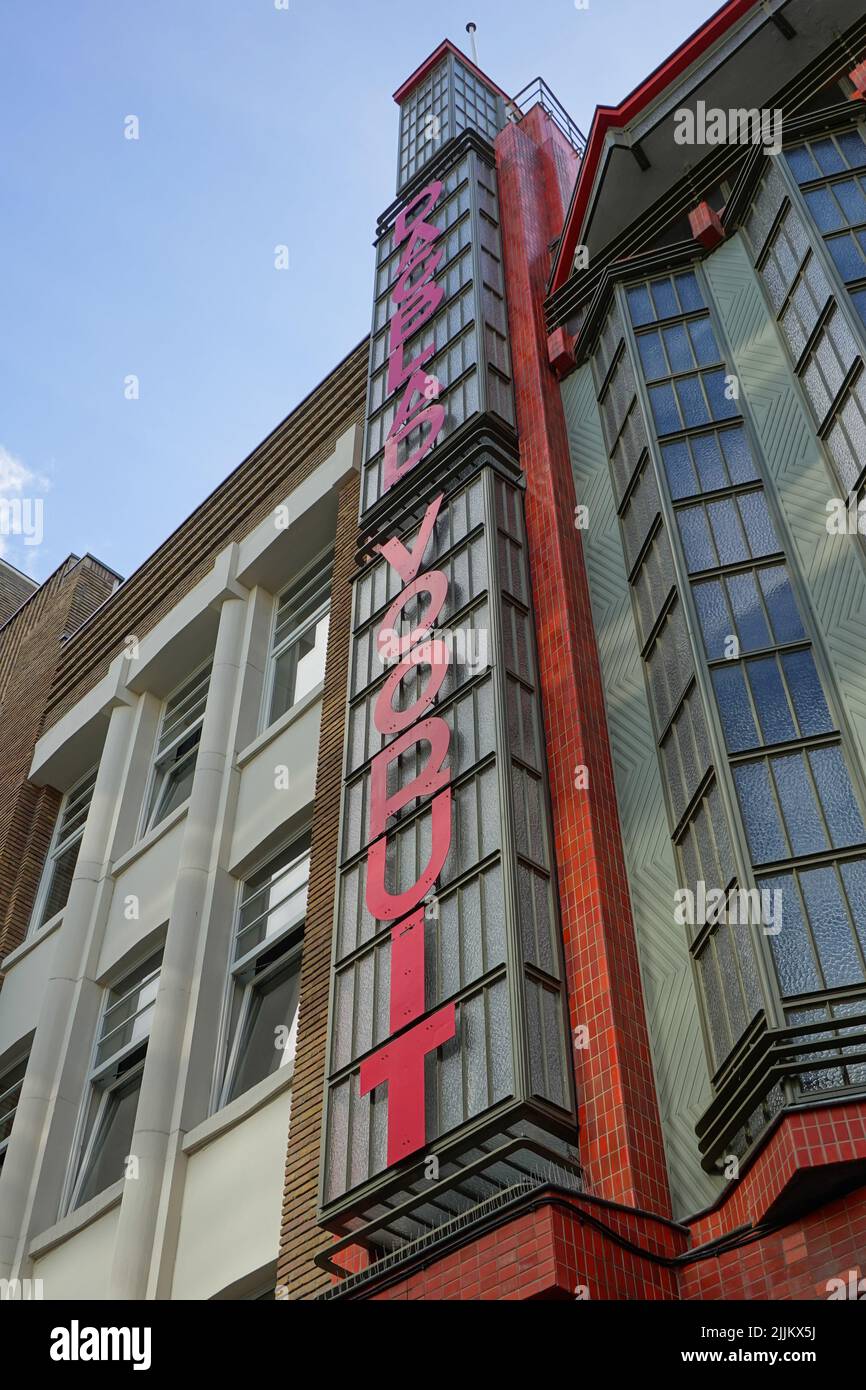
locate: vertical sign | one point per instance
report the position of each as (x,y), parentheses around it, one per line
(416,296)
(448,1024)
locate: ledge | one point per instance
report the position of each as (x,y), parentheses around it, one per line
(34,939)
(274,730)
(238,1110)
(76,1220)
(143,845)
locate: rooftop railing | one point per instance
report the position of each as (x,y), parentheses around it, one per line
(537,93)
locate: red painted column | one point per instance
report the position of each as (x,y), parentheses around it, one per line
(621,1139)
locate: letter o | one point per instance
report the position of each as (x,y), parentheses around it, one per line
(434,583)
(389,720)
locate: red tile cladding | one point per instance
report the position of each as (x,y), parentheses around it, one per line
(620,1139)
(552,1251)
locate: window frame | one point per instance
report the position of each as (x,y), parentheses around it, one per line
(163,763)
(323,561)
(828,182)
(785,588)
(56,848)
(106,1079)
(242,972)
(21,1058)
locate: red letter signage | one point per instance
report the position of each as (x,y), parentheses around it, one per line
(400,1062)
(415,301)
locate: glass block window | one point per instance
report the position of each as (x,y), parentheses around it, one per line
(300,638)
(177,748)
(449,100)
(476,106)
(63,854)
(266,970)
(425,122)
(832,174)
(111,1100)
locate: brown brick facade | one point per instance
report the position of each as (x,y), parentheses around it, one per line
(301,1238)
(15,589)
(31,649)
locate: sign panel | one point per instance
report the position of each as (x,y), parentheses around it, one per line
(448,997)
(439,352)
(448,1027)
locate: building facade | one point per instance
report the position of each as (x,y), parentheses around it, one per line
(457,881)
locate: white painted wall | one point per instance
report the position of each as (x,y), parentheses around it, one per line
(150,878)
(261,808)
(220,1199)
(232,1200)
(79,1268)
(23,990)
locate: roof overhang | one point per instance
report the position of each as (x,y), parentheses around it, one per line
(740,57)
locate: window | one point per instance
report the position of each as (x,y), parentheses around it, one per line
(265,971)
(830,172)
(771,699)
(798,803)
(11,1082)
(727,532)
(63,854)
(115,1080)
(177,748)
(820,343)
(708,462)
(755,606)
(832,899)
(300,638)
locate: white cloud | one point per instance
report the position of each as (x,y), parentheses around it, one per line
(19,483)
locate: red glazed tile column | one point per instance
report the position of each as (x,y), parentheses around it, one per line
(621,1140)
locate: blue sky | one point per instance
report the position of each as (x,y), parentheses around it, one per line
(154,257)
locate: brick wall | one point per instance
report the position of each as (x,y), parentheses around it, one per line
(568,1248)
(31,649)
(300,1237)
(621,1143)
(15,587)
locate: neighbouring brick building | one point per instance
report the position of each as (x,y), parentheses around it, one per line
(37,619)
(474,788)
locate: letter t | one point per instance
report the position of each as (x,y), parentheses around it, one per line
(401,1063)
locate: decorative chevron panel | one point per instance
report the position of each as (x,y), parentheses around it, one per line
(831,567)
(675,1033)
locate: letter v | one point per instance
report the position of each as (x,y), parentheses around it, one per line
(405,563)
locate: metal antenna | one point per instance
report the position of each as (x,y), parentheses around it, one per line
(470,29)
